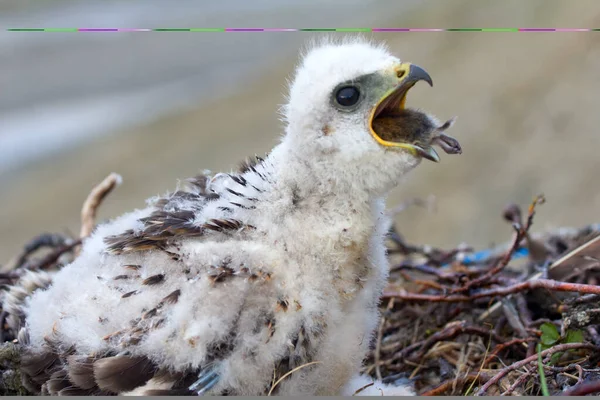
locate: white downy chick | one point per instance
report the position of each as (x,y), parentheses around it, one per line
(227,286)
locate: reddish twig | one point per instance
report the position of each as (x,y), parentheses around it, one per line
(426,269)
(520,380)
(583,389)
(431,285)
(443,387)
(559,348)
(450,332)
(503,291)
(519,235)
(500,347)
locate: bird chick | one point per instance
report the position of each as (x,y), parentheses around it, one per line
(262,281)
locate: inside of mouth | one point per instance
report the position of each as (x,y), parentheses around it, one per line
(393,123)
(392,105)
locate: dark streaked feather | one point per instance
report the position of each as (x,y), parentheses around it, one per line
(160,227)
(153,280)
(38,365)
(81,371)
(120,277)
(30,385)
(44,390)
(168,392)
(173,216)
(172,297)
(165,375)
(221,273)
(233,192)
(150,314)
(242,206)
(199,183)
(122,373)
(222,225)
(282,304)
(129,294)
(240,180)
(248,165)
(75,391)
(57,382)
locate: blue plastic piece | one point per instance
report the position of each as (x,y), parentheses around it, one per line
(484,255)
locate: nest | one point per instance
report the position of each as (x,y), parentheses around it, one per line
(517,320)
(520,319)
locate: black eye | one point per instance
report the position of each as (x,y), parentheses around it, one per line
(347,96)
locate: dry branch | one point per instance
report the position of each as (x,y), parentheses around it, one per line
(546,353)
(93,201)
(502,291)
(445,386)
(583,389)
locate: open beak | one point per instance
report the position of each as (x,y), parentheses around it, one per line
(393,103)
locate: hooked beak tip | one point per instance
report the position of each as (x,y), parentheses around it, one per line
(428,153)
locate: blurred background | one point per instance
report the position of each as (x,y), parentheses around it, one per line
(156,107)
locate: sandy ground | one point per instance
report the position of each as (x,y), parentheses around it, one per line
(528,120)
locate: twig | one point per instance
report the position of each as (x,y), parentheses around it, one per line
(561,347)
(594,335)
(426,269)
(503,291)
(51,258)
(93,201)
(53,240)
(433,255)
(289,373)
(502,346)
(487,350)
(579,369)
(519,235)
(523,309)
(443,387)
(363,388)
(513,318)
(539,284)
(518,382)
(450,332)
(559,268)
(583,299)
(583,389)
(379,338)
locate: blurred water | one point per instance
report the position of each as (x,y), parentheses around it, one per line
(59,89)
